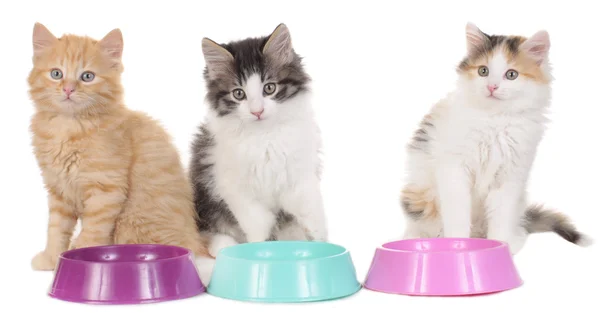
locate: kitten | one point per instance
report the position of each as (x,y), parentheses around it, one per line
(113,168)
(255,162)
(470,160)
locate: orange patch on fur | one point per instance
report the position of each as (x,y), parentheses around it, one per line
(526,66)
(519,62)
(417,200)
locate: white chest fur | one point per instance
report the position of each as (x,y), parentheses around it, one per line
(492,147)
(264,159)
(263,166)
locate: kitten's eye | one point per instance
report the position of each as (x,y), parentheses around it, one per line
(269,88)
(87,77)
(238,94)
(512,74)
(56,74)
(483,71)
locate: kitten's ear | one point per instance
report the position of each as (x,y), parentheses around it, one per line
(112,44)
(537,46)
(476,39)
(279,45)
(217,58)
(42,38)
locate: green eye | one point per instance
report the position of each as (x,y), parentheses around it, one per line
(56,74)
(87,77)
(512,74)
(239,94)
(269,88)
(483,71)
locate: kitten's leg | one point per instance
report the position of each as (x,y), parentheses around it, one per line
(101,207)
(61,224)
(290,231)
(255,220)
(423,229)
(412,230)
(504,211)
(219,242)
(454,199)
(306,204)
(420,212)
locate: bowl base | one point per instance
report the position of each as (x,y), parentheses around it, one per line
(125,302)
(288,300)
(471,294)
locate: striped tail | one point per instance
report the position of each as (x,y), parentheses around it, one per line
(538,220)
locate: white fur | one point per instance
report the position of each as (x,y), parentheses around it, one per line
(480,153)
(205,267)
(206,264)
(265,164)
(586,241)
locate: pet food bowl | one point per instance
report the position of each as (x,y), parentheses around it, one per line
(283,272)
(126,274)
(442,267)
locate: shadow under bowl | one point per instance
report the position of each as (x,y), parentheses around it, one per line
(126,274)
(443,267)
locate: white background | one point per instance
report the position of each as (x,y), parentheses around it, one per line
(377,68)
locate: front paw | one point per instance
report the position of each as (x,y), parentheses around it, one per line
(318,234)
(84,242)
(515,242)
(44,261)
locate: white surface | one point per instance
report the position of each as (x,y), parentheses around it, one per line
(377,68)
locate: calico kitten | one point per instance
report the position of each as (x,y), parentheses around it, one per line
(470,160)
(255,162)
(113,168)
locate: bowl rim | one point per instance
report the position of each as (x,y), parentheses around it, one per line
(500,245)
(64,256)
(222,255)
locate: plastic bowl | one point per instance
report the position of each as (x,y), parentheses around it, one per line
(126,274)
(283,272)
(443,267)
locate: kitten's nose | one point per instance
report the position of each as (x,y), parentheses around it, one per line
(257,114)
(492,88)
(68,90)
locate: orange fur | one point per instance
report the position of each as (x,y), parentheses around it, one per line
(520,62)
(114,169)
(419,201)
(527,67)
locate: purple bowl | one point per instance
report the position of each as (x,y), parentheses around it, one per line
(126,274)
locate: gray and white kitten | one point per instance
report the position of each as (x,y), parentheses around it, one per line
(255,163)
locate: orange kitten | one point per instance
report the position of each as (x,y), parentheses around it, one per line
(113,168)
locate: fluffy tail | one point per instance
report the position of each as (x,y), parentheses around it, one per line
(206,264)
(538,220)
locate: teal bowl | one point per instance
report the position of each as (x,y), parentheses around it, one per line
(283,272)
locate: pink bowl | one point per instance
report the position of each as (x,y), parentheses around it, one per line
(443,267)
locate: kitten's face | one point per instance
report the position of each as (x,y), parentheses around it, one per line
(75,75)
(502,68)
(252,79)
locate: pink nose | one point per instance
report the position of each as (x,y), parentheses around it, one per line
(492,88)
(257,114)
(68,90)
